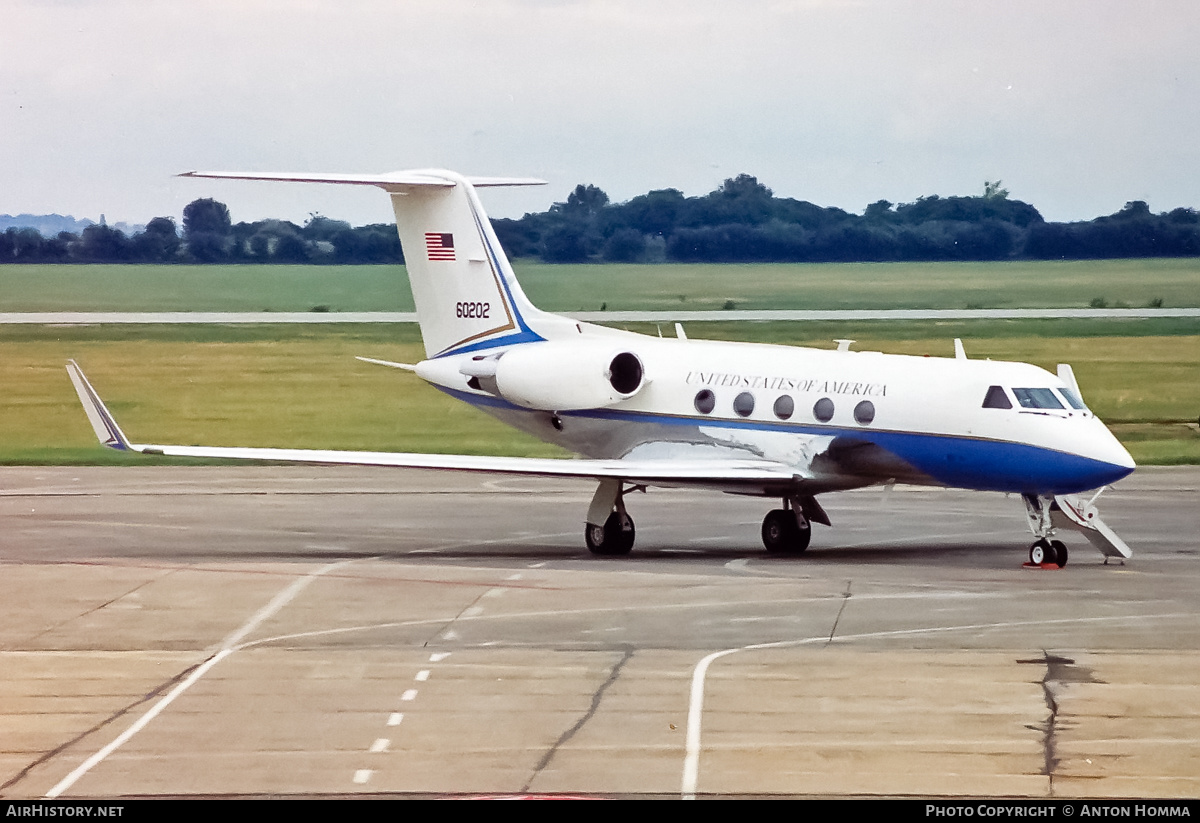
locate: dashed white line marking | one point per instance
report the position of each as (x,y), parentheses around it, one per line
(380,745)
(363,775)
(516,576)
(422,676)
(473,611)
(395,718)
(438,657)
(494,592)
(409,694)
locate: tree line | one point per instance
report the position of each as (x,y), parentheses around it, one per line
(740,222)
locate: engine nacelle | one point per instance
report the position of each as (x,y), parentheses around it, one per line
(559,376)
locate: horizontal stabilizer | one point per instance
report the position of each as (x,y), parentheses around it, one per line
(390,181)
(390,363)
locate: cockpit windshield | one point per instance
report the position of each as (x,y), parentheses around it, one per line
(1037,399)
(1075,401)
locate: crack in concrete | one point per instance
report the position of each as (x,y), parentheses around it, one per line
(47,756)
(838,618)
(579,724)
(1059,672)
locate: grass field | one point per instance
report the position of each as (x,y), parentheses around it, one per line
(275,385)
(299,386)
(1024,284)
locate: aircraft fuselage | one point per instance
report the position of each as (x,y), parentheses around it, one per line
(865,416)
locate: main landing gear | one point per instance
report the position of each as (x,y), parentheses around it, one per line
(789,530)
(785,533)
(615,537)
(609,528)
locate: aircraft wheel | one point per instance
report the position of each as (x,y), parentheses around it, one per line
(781,535)
(613,538)
(1042,551)
(1060,552)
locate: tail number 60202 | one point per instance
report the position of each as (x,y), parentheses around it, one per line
(472,309)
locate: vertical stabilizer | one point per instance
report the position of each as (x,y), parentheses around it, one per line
(466,295)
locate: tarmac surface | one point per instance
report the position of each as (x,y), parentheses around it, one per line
(268,631)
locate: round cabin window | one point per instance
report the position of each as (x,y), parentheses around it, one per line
(743,404)
(784,407)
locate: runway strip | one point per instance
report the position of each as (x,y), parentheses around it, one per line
(672,316)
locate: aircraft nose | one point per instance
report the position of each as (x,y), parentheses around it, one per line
(1111,452)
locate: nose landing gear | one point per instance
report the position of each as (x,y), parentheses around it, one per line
(1044,552)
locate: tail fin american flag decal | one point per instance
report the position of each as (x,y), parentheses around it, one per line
(439,246)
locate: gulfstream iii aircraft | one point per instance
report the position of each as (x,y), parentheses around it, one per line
(772,421)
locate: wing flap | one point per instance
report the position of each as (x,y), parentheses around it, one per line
(646,471)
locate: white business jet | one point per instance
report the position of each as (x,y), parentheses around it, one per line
(771,421)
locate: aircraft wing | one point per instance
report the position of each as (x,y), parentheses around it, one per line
(728,474)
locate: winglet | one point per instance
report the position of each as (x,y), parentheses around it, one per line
(106,428)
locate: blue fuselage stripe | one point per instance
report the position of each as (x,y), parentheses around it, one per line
(959,461)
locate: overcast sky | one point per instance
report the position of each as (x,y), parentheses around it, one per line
(1078,106)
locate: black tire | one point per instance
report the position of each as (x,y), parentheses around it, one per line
(781,535)
(1042,552)
(1060,552)
(613,538)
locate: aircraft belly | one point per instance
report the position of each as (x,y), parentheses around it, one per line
(995,465)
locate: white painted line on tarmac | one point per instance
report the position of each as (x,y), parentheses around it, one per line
(395,718)
(409,694)
(691,760)
(422,676)
(380,745)
(228,646)
(438,657)
(363,775)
